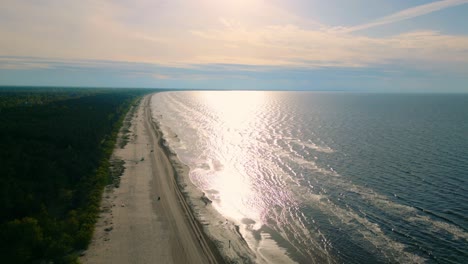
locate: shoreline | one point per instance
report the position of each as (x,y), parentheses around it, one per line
(223,234)
(209,249)
(147,218)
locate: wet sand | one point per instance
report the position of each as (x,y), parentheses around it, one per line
(147,219)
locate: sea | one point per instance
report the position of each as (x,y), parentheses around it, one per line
(329,177)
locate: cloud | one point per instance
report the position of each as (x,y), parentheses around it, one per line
(408,13)
(290,45)
(209,32)
(161,76)
(10,63)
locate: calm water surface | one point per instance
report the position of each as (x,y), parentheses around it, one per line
(330,177)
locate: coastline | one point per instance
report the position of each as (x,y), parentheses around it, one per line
(147,219)
(223,235)
(172,120)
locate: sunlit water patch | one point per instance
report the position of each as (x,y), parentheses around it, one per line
(329,177)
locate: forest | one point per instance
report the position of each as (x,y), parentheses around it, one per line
(55,145)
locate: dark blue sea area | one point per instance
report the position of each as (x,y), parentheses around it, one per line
(412,149)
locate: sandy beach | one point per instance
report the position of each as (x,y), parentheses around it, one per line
(146,219)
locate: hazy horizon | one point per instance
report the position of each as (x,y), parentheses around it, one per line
(175,89)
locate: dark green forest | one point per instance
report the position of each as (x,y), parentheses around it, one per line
(55,145)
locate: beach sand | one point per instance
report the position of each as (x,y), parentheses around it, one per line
(147,219)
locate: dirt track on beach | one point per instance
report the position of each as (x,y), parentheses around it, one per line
(137,227)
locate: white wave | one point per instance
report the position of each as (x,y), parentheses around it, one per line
(311,145)
(440,227)
(408,213)
(311,165)
(371,232)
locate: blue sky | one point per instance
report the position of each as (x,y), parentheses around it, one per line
(352,45)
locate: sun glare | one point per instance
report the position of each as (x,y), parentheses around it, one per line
(236,113)
(235,108)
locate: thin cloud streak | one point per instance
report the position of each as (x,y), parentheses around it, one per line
(407,14)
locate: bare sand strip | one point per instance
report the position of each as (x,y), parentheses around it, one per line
(146,219)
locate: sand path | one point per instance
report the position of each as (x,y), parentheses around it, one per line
(136,227)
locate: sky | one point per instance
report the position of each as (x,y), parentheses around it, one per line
(346,45)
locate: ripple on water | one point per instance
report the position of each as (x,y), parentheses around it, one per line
(329,177)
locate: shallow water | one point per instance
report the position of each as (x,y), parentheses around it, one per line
(330,177)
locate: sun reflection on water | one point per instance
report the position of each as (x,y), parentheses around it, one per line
(236,114)
(235,109)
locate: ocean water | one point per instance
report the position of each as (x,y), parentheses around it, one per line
(329,177)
